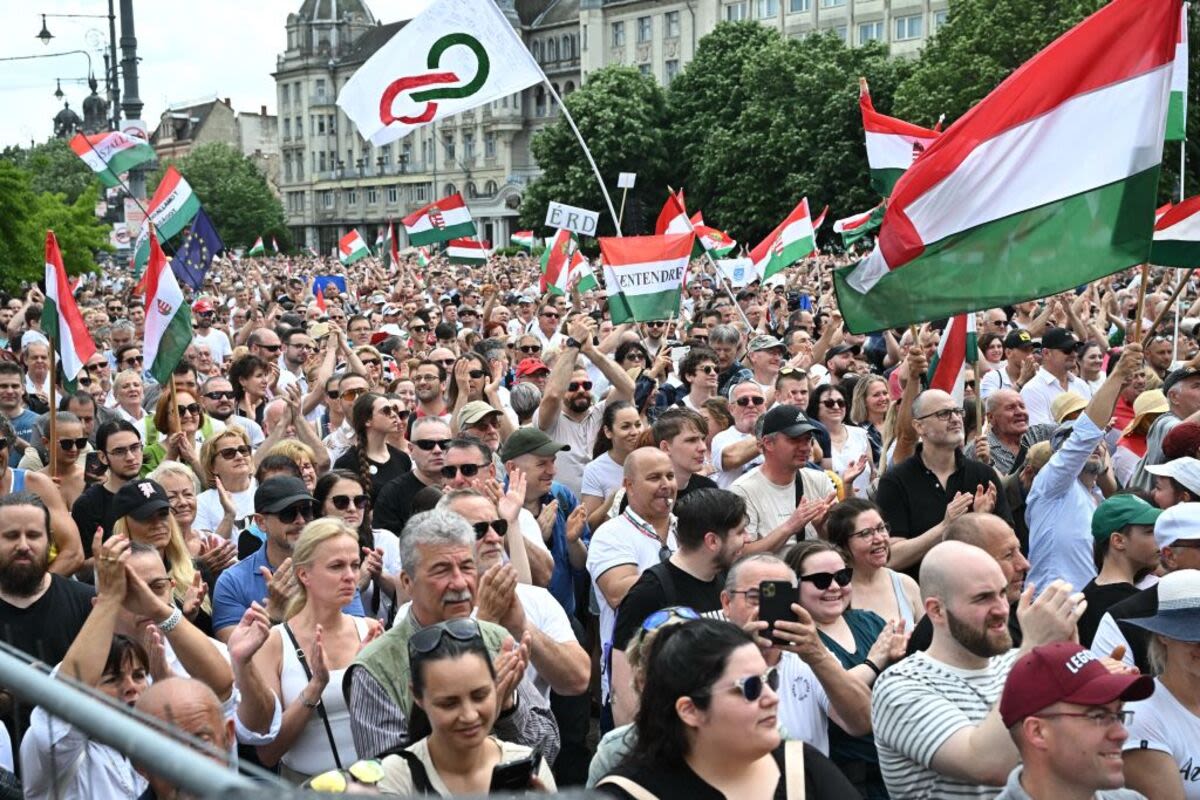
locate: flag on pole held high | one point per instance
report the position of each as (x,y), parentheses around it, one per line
(274,245)
(391,248)
(1021,197)
(440,221)
(423,256)
(352,247)
(110,154)
(856,226)
(892,144)
(1177,110)
(195,253)
(718,243)
(258,248)
(792,240)
(61,321)
(453,56)
(556,261)
(171,209)
(168,318)
(467,251)
(673,218)
(1177,236)
(956,349)
(643,275)
(522,239)
(819,220)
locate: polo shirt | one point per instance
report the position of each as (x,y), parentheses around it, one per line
(1041,390)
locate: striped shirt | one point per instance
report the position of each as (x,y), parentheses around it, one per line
(916,707)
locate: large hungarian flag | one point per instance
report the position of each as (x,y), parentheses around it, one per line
(556,261)
(1177,110)
(453,56)
(172,208)
(643,275)
(792,240)
(673,218)
(258,248)
(467,251)
(110,154)
(522,239)
(956,349)
(1048,183)
(1177,236)
(856,226)
(717,242)
(61,321)
(440,221)
(892,144)
(168,318)
(352,247)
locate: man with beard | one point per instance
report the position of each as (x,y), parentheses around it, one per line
(935,714)
(429,378)
(394,505)
(217,340)
(1064,494)
(1007,423)
(218,400)
(40,612)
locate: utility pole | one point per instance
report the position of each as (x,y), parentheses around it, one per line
(131,104)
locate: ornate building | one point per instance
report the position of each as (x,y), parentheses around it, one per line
(185,126)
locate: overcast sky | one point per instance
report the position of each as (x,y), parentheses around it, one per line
(188,52)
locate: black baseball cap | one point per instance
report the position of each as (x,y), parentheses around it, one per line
(524,441)
(283,491)
(787,419)
(140,499)
(1175,376)
(838,349)
(1059,339)
(1018,338)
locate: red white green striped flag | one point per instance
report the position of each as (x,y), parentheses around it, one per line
(892,144)
(168,318)
(352,247)
(258,248)
(857,226)
(440,221)
(423,257)
(522,239)
(643,275)
(1177,110)
(956,349)
(673,218)
(556,261)
(172,208)
(792,240)
(1048,183)
(61,321)
(391,248)
(717,242)
(1177,236)
(468,251)
(110,154)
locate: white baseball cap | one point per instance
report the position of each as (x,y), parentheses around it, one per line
(1186,470)
(1180,521)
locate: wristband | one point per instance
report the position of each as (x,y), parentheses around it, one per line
(872,666)
(168,625)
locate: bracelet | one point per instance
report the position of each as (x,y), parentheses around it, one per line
(871,664)
(168,625)
(313,704)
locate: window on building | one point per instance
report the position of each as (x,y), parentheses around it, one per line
(736,12)
(870,31)
(385,153)
(319,88)
(670,71)
(332,126)
(832,3)
(568,87)
(448,144)
(287,167)
(449,190)
(840,31)
(644,69)
(422,192)
(539,51)
(327,198)
(285,97)
(671,24)
(468,147)
(320,162)
(799,6)
(471,192)
(539,101)
(320,124)
(552,50)
(645,29)
(568,50)
(490,189)
(939,19)
(287,129)
(372,196)
(767,8)
(300,166)
(618,34)
(352,197)
(406,151)
(909,27)
(489,145)
(393,196)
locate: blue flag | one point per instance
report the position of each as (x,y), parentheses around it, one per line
(195,253)
(322,281)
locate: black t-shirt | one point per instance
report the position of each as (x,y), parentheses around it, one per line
(394,505)
(90,512)
(1100,598)
(397,464)
(649,595)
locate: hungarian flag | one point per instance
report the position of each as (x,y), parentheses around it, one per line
(110,154)
(673,218)
(792,240)
(855,227)
(351,248)
(1048,183)
(453,56)
(956,349)
(172,208)
(522,239)
(718,243)
(819,220)
(892,144)
(61,321)
(1177,110)
(581,275)
(423,257)
(168,318)
(467,251)
(643,275)
(440,221)
(258,249)
(274,244)
(557,259)
(391,249)
(1177,236)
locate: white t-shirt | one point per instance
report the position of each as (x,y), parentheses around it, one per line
(803,704)
(725,438)
(209,512)
(855,445)
(581,436)
(602,476)
(218,344)
(1161,722)
(768,504)
(531,530)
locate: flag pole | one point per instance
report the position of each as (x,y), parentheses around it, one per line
(1141,303)
(621,215)
(717,270)
(52,429)
(586,152)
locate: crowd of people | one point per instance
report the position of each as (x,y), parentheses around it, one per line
(438,532)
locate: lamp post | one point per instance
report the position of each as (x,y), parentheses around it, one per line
(111,84)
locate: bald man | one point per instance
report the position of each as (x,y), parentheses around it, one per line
(191,708)
(937,726)
(622,548)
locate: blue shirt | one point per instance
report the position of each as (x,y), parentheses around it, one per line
(23,427)
(242,584)
(562,580)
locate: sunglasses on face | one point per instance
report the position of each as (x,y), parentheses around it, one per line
(500,526)
(230,453)
(73,444)
(575,386)
(549,315)
(388,411)
(332,395)
(635,356)
(121,452)
(271,348)
(84,381)
(428,444)
(371,362)
(342,501)
(831,403)
(476,374)
(530,349)
(445,362)
(745,401)
(823,580)
(302,510)
(191,408)
(655,324)
(707,369)
(751,688)
(133,360)
(418,329)
(468,470)
(229,395)
(352,394)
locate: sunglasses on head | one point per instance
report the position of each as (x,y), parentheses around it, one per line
(190,408)
(73,444)
(745,401)
(426,640)
(302,510)
(230,453)
(660,617)
(428,444)
(823,580)
(500,526)
(468,470)
(575,386)
(342,501)
(229,395)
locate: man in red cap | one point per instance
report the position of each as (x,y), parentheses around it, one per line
(1063,709)
(204,313)
(533,370)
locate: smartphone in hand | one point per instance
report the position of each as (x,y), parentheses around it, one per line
(775,599)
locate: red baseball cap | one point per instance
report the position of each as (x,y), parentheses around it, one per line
(529,366)
(1064,672)
(202,306)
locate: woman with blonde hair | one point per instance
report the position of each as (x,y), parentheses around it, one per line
(303,660)
(302,454)
(212,551)
(869,404)
(372,362)
(129,391)
(228,466)
(195,427)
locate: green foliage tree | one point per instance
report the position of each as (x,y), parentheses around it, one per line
(622,116)
(53,167)
(234,194)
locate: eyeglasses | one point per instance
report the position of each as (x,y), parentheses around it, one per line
(530,349)
(73,444)
(551,315)
(655,324)
(418,329)
(426,640)
(476,373)
(371,362)
(745,401)
(332,395)
(352,394)
(663,615)
(751,688)
(342,501)
(133,360)
(220,395)
(944,415)
(823,580)
(1101,719)
(831,403)
(121,452)
(192,409)
(428,444)
(635,355)
(271,348)
(500,526)
(881,529)
(575,386)
(468,470)
(752,596)
(230,453)
(707,369)
(303,510)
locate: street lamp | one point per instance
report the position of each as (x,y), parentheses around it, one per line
(58,92)
(45,35)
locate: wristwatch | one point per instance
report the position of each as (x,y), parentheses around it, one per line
(574,343)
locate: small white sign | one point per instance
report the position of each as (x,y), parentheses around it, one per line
(626,180)
(738,271)
(576,220)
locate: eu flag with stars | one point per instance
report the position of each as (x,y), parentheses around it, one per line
(195,253)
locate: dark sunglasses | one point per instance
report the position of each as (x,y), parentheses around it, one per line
(834,403)
(389,411)
(271,348)
(83,380)
(476,373)
(575,386)
(823,580)
(342,501)
(707,369)
(426,640)
(73,444)
(133,360)
(190,408)
(428,444)
(552,316)
(418,329)
(445,362)
(371,362)
(500,526)
(302,510)
(332,395)
(660,617)
(655,324)
(745,401)
(468,470)
(230,453)
(530,348)
(635,355)
(220,395)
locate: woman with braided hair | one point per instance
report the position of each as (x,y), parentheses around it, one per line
(374,418)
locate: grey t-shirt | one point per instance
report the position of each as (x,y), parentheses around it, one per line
(1013,790)
(1154,452)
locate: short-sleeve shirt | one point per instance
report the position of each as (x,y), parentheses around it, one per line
(23,427)
(916,706)
(91,511)
(727,437)
(1162,723)
(768,504)
(581,436)
(209,512)
(649,594)
(602,476)
(803,703)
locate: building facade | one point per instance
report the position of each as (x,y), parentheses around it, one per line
(183,127)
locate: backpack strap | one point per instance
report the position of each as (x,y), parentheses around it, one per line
(320,703)
(793,764)
(632,788)
(416,770)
